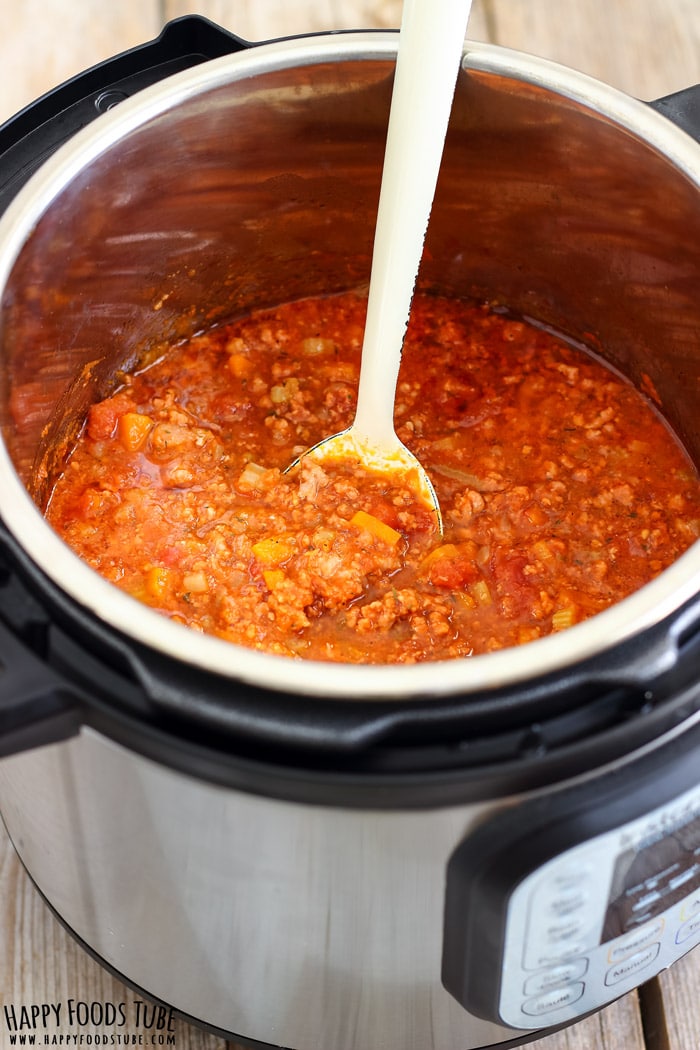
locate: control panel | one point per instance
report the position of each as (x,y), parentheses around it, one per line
(561,905)
(599,919)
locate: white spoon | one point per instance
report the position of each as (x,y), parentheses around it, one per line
(429,56)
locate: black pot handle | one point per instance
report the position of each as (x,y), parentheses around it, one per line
(59,671)
(683,108)
(37,705)
(30,137)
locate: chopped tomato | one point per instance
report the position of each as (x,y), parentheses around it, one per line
(103,417)
(561,490)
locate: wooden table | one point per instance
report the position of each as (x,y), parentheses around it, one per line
(648,48)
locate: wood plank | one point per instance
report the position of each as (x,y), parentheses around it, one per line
(677,1015)
(648,49)
(257,20)
(44,42)
(617,1027)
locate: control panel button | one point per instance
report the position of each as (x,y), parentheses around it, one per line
(570,877)
(689,929)
(555,977)
(569,903)
(691,906)
(630,967)
(562,933)
(560,957)
(632,942)
(563,919)
(555,999)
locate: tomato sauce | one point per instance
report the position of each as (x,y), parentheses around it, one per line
(562,489)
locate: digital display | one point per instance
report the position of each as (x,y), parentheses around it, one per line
(652,876)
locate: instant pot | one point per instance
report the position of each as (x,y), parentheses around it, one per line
(459,854)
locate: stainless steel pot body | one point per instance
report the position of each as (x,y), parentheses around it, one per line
(306,924)
(296,925)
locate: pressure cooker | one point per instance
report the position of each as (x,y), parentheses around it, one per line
(463,853)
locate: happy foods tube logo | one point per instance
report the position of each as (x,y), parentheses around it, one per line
(75,1022)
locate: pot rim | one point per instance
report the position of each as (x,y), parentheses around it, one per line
(636,614)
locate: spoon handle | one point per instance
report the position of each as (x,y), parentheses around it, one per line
(431,41)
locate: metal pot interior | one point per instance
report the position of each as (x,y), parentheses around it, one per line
(255,179)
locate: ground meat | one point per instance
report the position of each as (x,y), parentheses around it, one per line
(562,490)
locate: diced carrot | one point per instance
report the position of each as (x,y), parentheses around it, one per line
(157,580)
(378,528)
(132,430)
(240,365)
(273,578)
(445,550)
(273,550)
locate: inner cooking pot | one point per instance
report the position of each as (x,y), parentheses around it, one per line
(254,180)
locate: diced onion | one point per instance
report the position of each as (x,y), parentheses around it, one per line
(480,592)
(563,618)
(195,582)
(315,345)
(282,392)
(251,475)
(472,481)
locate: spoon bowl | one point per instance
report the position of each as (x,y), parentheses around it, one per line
(429,56)
(388,456)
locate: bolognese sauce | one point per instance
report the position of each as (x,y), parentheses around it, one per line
(562,489)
